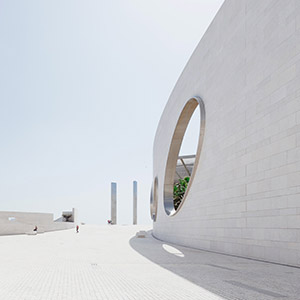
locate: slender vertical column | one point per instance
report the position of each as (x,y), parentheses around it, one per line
(74,216)
(113,210)
(134,203)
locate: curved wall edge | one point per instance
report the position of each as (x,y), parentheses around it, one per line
(244,199)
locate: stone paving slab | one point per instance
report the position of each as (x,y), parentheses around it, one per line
(110,262)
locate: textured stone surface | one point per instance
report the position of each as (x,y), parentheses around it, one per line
(109,262)
(245,197)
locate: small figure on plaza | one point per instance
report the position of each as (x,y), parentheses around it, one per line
(77,228)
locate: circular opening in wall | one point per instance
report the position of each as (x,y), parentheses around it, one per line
(184,155)
(153,199)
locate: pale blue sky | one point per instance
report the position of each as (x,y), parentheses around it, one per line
(82,87)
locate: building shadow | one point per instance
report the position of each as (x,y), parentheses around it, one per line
(227,276)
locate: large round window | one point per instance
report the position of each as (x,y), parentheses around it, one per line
(180,169)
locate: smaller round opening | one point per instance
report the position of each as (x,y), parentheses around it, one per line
(181,165)
(153,199)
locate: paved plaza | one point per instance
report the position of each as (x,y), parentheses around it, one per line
(109,262)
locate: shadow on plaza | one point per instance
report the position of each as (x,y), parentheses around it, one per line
(224,275)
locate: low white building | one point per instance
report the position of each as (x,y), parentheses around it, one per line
(12,222)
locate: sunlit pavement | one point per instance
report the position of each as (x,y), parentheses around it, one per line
(109,262)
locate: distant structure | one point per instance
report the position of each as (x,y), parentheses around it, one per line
(113,210)
(69,216)
(134,203)
(25,222)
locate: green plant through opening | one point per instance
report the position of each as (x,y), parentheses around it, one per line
(179,190)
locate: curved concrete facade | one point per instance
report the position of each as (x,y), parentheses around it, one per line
(245,196)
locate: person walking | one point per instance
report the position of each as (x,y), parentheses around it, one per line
(77,228)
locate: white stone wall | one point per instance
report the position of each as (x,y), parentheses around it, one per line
(245,197)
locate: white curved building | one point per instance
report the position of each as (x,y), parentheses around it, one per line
(244,193)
